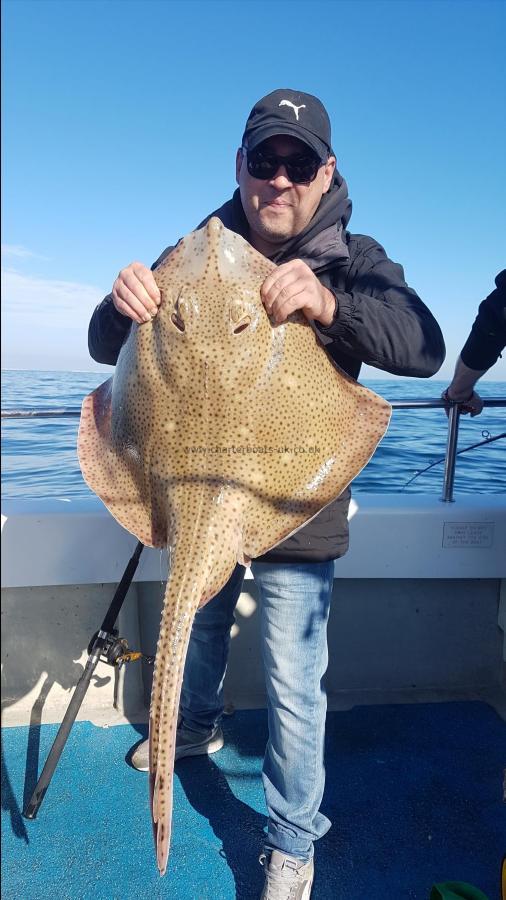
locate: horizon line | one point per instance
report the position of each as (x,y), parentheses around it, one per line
(387,377)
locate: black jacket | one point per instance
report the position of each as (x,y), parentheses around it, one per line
(379,320)
(488,334)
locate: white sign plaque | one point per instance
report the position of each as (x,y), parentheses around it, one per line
(468,535)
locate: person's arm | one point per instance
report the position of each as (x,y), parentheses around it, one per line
(380,320)
(461,389)
(488,335)
(481,350)
(107,332)
(134,298)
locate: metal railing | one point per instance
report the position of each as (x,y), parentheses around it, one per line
(451,443)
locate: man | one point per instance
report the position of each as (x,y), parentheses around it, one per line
(481,351)
(292,205)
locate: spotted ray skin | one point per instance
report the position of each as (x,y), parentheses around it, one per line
(218,436)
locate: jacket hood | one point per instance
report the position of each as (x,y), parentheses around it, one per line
(321,243)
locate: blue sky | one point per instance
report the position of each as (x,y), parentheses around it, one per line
(121,120)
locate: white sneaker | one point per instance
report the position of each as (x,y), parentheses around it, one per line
(286,878)
(188,743)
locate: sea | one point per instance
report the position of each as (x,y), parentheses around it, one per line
(39,456)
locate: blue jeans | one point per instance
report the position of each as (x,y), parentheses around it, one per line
(294,609)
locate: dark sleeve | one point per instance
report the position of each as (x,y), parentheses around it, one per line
(379,319)
(488,334)
(108,328)
(107,332)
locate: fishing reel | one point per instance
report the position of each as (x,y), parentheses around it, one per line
(116,652)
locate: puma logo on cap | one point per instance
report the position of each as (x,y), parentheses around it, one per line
(295,108)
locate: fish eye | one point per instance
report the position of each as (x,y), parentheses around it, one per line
(177,321)
(242,325)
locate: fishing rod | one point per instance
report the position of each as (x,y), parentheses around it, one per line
(104,643)
(487,440)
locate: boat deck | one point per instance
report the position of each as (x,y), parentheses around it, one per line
(415,794)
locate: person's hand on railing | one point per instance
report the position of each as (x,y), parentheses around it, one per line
(472,405)
(461,390)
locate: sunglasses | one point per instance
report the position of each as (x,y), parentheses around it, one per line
(301,168)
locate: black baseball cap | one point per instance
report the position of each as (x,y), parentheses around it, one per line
(289,112)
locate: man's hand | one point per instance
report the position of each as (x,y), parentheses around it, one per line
(472,405)
(294,286)
(461,389)
(135,293)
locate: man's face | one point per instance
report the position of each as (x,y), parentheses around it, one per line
(278,209)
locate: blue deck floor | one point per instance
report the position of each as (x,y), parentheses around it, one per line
(414,793)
